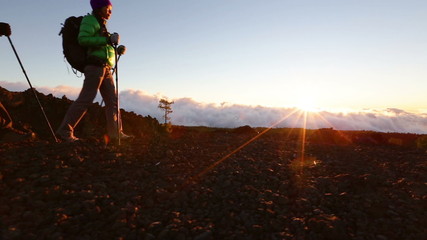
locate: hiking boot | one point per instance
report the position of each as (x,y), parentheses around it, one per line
(13,135)
(125,136)
(67,137)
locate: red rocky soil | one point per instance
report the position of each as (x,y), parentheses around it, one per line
(188,186)
(199,183)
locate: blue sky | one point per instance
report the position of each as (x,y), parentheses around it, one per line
(330,54)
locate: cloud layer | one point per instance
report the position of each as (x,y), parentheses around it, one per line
(189,112)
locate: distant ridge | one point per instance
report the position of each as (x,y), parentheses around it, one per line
(26,114)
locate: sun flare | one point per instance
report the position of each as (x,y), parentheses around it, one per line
(307,104)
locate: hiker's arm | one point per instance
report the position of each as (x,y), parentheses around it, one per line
(87,36)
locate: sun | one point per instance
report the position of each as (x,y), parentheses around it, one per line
(307,104)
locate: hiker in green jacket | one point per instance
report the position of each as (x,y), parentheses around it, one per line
(101,59)
(7,132)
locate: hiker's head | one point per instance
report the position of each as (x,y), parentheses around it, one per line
(103,8)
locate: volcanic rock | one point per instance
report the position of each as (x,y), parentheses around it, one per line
(199,183)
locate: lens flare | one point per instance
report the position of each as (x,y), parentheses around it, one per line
(302,114)
(307,104)
(195,178)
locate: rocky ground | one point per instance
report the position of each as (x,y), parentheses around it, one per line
(205,184)
(202,183)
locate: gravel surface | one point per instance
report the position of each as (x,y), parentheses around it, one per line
(200,185)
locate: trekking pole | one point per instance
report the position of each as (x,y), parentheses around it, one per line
(35,94)
(116,69)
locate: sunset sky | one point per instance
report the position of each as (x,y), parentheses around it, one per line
(334,55)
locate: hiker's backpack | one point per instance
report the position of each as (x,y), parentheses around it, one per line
(73,51)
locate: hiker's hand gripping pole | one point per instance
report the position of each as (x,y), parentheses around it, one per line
(121,50)
(35,94)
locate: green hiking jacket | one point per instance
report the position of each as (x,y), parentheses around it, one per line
(98,46)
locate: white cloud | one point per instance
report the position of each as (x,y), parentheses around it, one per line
(189,112)
(58,91)
(14,86)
